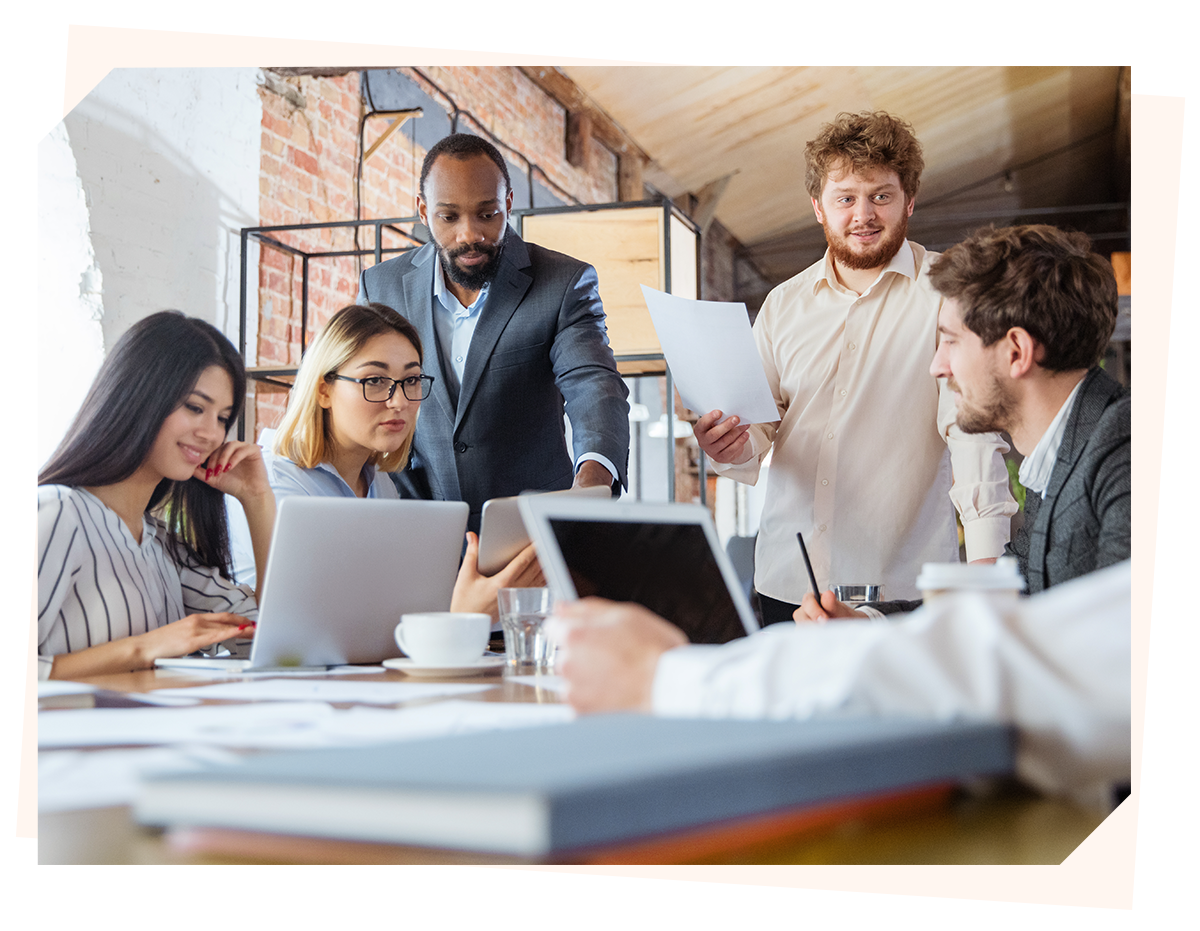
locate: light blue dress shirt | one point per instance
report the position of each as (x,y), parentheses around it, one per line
(455,325)
(322,480)
(289,479)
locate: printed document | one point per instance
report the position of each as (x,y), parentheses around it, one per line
(713,359)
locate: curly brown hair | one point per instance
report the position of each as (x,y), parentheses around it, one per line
(861,142)
(1045,280)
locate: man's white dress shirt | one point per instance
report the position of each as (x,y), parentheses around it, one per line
(1038,466)
(1056,665)
(862,460)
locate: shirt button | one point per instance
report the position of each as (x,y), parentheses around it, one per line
(458,358)
(822,528)
(824,481)
(852,347)
(830,437)
(843,392)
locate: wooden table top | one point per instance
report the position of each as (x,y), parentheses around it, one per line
(1005,824)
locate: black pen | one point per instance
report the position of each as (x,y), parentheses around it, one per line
(808,565)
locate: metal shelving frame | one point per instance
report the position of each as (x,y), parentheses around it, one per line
(268,236)
(669,210)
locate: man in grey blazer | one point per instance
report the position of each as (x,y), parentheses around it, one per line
(1029,311)
(512,333)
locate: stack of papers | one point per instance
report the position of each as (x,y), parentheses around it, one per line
(161,740)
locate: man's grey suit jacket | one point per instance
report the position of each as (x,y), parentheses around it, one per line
(540,344)
(1083,522)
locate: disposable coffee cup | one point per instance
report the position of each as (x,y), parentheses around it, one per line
(1001,578)
(443,638)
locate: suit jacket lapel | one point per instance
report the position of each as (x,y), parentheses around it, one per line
(1094,395)
(505,294)
(418,295)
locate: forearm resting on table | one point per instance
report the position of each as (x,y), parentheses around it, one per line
(125,655)
(194,632)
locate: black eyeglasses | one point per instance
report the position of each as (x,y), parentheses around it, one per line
(380,388)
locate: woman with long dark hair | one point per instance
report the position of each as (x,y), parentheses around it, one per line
(133,547)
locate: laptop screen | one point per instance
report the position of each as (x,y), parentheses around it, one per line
(668,568)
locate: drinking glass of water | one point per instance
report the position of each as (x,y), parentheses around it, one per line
(523,613)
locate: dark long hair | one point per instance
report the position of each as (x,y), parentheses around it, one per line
(147,375)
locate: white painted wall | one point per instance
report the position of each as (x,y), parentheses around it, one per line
(70,341)
(167,163)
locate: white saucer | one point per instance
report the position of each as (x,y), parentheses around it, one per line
(481,667)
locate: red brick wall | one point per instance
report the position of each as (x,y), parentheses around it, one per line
(515,109)
(309,157)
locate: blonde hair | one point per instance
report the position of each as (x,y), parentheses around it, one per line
(303,435)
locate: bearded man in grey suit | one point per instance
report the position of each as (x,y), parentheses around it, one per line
(1028,313)
(513,333)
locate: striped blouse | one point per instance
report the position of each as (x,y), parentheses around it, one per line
(96,583)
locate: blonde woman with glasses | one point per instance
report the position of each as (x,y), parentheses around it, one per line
(350,421)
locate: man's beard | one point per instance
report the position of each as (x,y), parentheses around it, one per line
(877,257)
(473,279)
(991,414)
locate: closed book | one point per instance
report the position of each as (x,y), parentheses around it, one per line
(601,780)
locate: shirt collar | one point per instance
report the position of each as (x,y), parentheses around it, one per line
(1038,466)
(446,297)
(368,473)
(904,262)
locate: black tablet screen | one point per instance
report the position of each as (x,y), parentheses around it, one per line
(668,568)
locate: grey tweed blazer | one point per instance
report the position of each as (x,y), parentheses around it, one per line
(1083,522)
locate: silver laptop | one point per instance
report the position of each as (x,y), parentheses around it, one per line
(340,574)
(666,557)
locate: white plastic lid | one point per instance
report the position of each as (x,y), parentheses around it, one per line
(1003,574)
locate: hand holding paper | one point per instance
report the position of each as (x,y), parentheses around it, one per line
(713,359)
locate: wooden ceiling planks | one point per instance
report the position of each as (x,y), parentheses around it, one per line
(699,124)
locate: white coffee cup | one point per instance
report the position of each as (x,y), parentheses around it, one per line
(443,638)
(1001,578)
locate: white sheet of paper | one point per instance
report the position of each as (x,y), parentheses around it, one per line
(53,688)
(267,725)
(713,359)
(217,672)
(372,693)
(362,724)
(73,779)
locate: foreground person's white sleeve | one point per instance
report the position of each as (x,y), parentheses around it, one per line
(1056,665)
